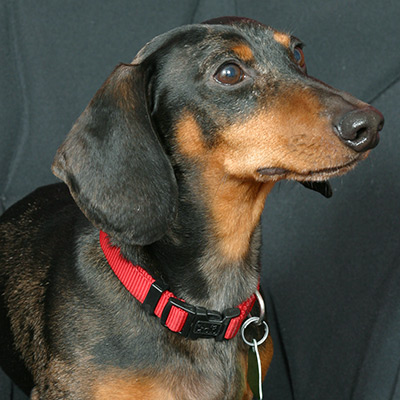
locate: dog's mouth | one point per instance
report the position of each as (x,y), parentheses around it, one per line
(315,179)
(322,174)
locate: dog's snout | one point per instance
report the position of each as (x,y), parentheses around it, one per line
(359,129)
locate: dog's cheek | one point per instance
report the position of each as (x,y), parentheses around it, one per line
(291,135)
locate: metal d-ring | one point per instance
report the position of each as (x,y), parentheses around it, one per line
(262,308)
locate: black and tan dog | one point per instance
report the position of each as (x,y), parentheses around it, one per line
(173,160)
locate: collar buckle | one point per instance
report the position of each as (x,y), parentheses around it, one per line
(200,322)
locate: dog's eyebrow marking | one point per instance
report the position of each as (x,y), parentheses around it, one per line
(282,38)
(243,52)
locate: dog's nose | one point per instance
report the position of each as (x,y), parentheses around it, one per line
(359,129)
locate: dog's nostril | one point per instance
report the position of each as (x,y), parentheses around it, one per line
(361,133)
(359,128)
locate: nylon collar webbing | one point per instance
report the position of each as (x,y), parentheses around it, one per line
(175,314)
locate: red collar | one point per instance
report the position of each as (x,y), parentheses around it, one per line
(175,314)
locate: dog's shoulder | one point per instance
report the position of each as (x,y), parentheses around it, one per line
(37,205)
(39,212)
(37,225)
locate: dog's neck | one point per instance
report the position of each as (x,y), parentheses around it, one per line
(210,255)
(235,208)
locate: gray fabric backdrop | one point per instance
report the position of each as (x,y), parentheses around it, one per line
(331,269)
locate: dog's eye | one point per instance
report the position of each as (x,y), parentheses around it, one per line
(299,57)
(229,74)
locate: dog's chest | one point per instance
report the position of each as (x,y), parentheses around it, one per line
(215,372)
(167,385)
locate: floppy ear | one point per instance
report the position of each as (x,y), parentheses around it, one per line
(114,163)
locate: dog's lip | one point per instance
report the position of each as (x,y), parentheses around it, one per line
(281,173)
(272,171)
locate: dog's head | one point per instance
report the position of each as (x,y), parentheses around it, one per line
(230,97)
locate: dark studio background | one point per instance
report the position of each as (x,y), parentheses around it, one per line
(331,270)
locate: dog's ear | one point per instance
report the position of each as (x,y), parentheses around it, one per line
(114,163)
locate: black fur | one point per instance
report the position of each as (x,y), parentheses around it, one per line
(107,171)
(70,319)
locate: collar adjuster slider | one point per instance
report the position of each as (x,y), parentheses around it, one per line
(153,296)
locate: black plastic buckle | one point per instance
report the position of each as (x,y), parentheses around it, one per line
(200,322)
(153,296)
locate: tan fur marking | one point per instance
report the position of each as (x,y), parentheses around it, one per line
(282,38)
(243,52)
(234,205)
(266,353)
(189,137)
(236,209)
(127,389)
(293,135)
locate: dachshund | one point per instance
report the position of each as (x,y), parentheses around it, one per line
(131,278)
